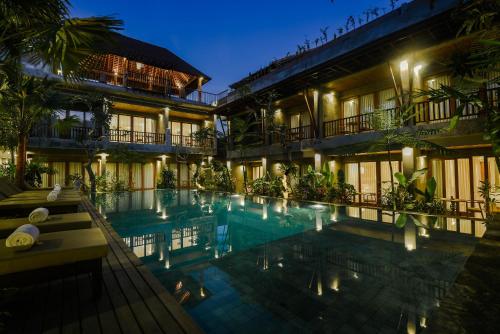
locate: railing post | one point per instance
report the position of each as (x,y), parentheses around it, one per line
(168,137)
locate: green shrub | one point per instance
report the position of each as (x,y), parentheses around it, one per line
(167,180)
(268,186)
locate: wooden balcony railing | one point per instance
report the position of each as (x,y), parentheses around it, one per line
(424,112)
(82,133)
(299,133)
(191,141)
(75,133)
(150,83)
(125,136)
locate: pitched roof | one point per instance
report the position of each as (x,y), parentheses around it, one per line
(150,54)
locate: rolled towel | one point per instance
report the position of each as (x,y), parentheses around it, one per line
(52,196)
(24,237)
(38,215)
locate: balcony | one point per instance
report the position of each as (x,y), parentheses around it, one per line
(424,113)
(150,84)
(191,141)
(122,136)
(125,136)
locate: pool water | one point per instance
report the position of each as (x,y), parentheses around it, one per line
(251,264)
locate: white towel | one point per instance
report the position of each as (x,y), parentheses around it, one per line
(52,196)
(38,215)
(24,237)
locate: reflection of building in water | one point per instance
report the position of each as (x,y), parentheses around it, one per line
(181,243)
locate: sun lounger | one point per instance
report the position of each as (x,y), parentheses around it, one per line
(55,223)
(58,255)
(18,207)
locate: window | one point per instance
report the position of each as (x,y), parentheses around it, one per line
(386,99)
(440,110)
(80,115)
(257,172)
(294,121)
(125,122)
(367,104)
(350,108)
(352,175)
(139,124)
(368,181)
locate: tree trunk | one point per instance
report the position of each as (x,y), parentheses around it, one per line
(392,178)
(12,155)
(21,161)
(91,174)
(245,178)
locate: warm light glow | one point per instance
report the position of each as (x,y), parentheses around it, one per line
(319,221)
(403,65)
(423,322)
(407,151)
(264,212)
(417,69)
(335,284)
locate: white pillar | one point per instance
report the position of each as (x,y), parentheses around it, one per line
(408,154)
(317,162)
(166,125)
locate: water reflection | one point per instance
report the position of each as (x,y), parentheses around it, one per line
(241,263)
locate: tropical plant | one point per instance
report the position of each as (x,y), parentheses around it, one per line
(476,69)
(25,101)
(311,186)
(402,196)
(485,190)
(8,170)
(34,172)
(93,139)
(342,192)
(167,179)
(40,32)
(64,125)
(214,176)
(244,137)
(268,186)
(289,170)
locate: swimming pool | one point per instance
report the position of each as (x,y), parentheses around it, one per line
(251,264)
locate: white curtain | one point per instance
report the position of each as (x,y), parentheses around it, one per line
(184,182)
(437,173)
(368,184)
(75,168)
(123,172)
(385,174)
(60,173)
(386,98)
(352,175)
(137,175)
(148,175)
(367,104)
(449,172)
(478,176)
(440,110)
(463,181)
(111,170)
(350,108)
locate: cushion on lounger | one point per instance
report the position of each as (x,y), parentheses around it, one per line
(55,249)
(55,223)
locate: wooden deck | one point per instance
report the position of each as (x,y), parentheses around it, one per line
(133,300)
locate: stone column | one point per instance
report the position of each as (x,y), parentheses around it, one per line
(166,125)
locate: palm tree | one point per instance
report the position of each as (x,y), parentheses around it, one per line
(24,101)
(41,32)
(243,138)
(93,140)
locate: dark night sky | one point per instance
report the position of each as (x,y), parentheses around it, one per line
(227,39)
